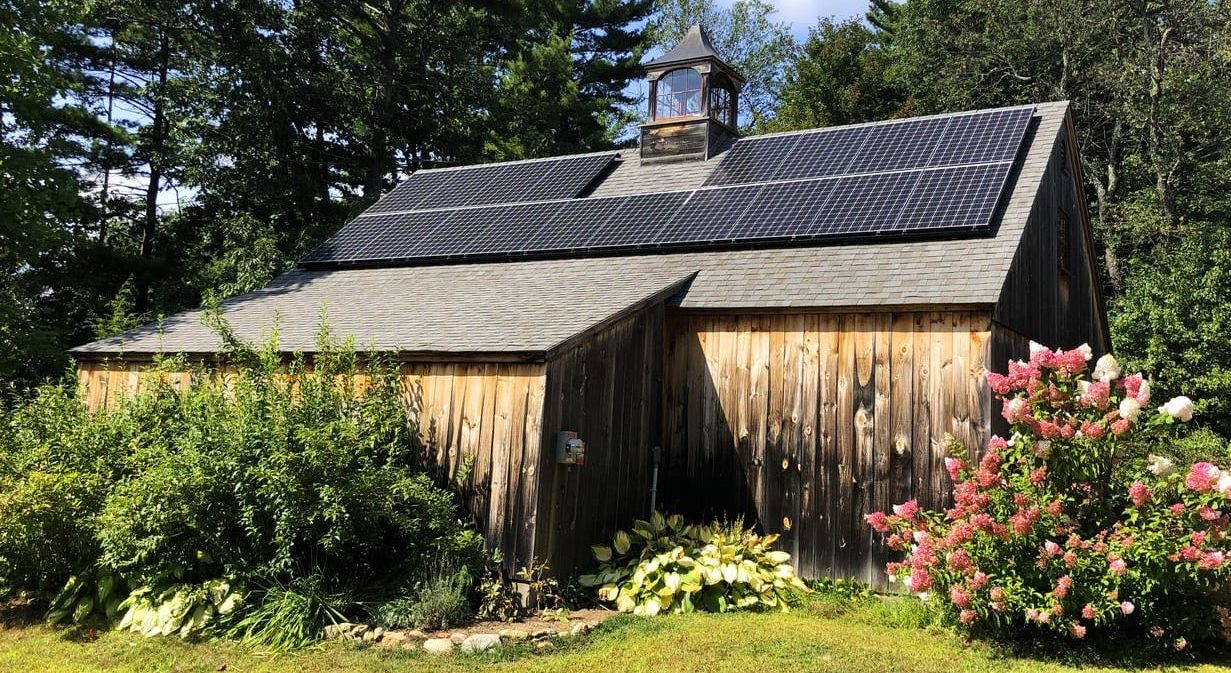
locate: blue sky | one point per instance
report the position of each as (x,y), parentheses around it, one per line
(802,14)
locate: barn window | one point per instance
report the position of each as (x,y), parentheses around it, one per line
(679,94)
(720,100)
(1062,241)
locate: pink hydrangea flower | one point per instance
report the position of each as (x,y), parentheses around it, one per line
(1079,631)
(967,617)
(1139,493)
(1202,477)
(959,596)
(878,521)
(907,510)
(1118,566)
(1088,612)
(1127,608)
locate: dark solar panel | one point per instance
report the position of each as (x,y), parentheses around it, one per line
(576,223)
(898,146)
(637,220)
(982,137)
(784,210)
(708,215)
(821,154)
(912,177)
(863,204)
(964,197)
(540,180)
(752,160)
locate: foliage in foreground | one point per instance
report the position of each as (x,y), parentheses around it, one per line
(287,475)
(1070,528)
(664,565)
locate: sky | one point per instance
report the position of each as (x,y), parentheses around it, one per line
(802,14)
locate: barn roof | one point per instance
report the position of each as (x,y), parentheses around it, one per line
(533,305)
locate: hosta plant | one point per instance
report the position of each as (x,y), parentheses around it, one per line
(1076,525)
(179,609)
(95,594)
(665,565)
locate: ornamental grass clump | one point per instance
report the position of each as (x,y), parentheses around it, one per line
(664,565)
(1077,525)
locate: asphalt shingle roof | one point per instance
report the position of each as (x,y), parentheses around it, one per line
(530,306)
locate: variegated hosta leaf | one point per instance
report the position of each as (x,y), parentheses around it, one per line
(675,522)
(777,557)
(621,542)
(657,522)
(602,553)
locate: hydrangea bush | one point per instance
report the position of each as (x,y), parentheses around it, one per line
(1075,525)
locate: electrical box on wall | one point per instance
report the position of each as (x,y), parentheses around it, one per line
(570,450)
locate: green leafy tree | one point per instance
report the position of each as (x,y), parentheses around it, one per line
(842,76)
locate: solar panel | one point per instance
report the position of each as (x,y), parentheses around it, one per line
(708,215)
(822,154)
(637,220)
(914,177)
(982,137)
(752,160)
(863,204)
(964,197)
(537,180)
(898,146)
(784,210)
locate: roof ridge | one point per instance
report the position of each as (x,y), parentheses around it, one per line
(489,164)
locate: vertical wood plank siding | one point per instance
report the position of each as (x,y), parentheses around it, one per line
(485,415)
(808,421)
(608,390)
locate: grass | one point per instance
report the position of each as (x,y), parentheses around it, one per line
(825,636)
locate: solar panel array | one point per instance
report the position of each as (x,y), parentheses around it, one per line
(913,177)
(538,180)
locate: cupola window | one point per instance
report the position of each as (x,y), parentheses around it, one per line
(720,101)
(679,94)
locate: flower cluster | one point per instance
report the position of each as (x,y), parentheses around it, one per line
(1057,529)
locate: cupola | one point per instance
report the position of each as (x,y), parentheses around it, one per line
(694,98)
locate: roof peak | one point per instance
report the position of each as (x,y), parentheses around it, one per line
(696,45)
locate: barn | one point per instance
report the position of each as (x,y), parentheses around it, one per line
(785,327)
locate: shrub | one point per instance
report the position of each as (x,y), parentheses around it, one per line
(664,565)
(57,464)
(1069,527)
(439,601)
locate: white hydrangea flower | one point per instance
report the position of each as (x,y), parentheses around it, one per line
(1160,466)
(1224,483)
(1180,408)
(920,535)
(1107,369)
(1042,448)
(1143,394)
(923,596)
(1086,351)
(1130,409)
(1035,348)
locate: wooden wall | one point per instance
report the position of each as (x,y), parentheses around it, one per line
(608,390)
(1041,300)
(805,422)
(487,415)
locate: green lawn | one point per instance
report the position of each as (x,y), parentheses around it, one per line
(806,640)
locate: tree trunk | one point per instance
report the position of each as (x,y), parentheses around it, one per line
(158,132)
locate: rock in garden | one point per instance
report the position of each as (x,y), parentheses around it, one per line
(543,645)
(394,639)
(415,633)
(438,645)
(542,633)
(513,634)
(480,642)
(581,629)
(338,631)
(369,636)
(458,638)
(358,630)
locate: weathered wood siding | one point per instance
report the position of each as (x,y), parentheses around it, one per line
(607,389)
(805,422)
(1059,305)
(486,416)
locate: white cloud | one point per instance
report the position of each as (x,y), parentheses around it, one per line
(803,14)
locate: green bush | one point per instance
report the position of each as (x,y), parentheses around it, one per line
(267,473)
(57,465)
(666,566)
